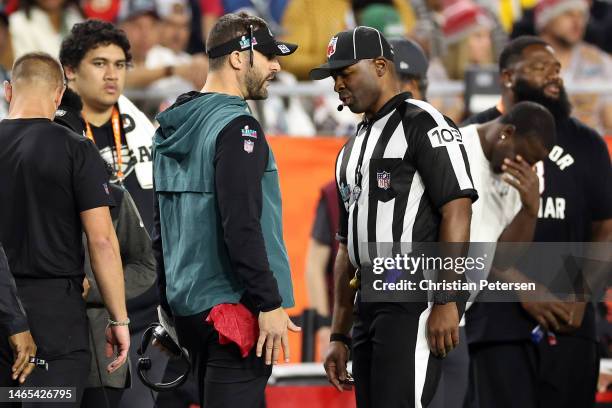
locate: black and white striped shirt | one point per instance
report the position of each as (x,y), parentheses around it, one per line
(402,166)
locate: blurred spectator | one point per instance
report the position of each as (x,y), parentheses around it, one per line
(5,59)
(428,29)
(106,10)
(562,24)
(174,30)
(140,21)
(40,25)
(311,23)
(384,18)
(397,16)
(210,11)
(467,31)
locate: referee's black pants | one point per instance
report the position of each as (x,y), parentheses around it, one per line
(225,379)
(521,374)
(392,365)
(56,315)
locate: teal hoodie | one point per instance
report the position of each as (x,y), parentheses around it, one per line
(198,270)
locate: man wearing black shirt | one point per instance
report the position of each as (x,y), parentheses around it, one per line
(95,57)
(576,206)
(57,186)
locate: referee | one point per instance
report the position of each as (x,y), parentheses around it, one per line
(397,182)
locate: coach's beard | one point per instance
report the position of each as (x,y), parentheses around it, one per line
(559,107)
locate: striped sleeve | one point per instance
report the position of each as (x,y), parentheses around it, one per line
(436,147)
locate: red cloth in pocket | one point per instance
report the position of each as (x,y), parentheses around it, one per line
(235,324)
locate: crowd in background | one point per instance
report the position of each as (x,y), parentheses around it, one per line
(167,40)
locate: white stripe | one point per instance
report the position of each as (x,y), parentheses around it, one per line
(339,165)
(350,180)
(384,228)
(417,188)
(421,358)
(453,149)
(397,146)
(380,42)
(354,48)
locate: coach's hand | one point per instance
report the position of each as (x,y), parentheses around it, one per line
(23,348)
(335,363)
(443,329)
(273,326)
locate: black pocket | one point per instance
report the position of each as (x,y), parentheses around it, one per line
(388,178)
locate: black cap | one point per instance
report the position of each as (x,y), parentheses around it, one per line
(409,58)
(349,47)
(263,41)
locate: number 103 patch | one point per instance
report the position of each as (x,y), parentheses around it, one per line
(441,136)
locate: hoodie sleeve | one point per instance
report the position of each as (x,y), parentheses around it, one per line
(240,161)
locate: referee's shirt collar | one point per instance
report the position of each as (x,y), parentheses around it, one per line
(387,107)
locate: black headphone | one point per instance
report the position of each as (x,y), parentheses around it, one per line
(160,334)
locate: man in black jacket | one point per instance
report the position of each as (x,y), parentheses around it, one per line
(575,206)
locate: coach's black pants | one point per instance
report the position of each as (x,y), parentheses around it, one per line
(521,374)
(58,323)
(392,365)
(225,379)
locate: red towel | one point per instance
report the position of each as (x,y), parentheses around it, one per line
(235,324)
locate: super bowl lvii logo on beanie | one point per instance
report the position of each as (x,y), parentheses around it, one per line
(331,47)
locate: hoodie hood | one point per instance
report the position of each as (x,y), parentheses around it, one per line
(180,125)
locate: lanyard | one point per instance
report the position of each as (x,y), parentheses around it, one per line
(117,136)
(358,174)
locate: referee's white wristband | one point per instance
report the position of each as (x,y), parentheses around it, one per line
(125,322)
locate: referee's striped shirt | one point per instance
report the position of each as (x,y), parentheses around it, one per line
(395,174)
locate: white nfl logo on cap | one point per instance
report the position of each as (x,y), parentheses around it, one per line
(404,65)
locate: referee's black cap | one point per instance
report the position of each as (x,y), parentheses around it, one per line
(410,58)
(349,47)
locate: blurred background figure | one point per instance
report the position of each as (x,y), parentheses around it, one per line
(320,259)
(467,32)
(562,23)
(174,32)
(106,10)
(40,25)
(6,57)
(468,43)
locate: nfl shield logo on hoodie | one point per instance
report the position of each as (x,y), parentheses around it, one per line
(248,146)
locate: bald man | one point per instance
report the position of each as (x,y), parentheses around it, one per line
(54,186)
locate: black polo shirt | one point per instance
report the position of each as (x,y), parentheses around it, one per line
(48,176)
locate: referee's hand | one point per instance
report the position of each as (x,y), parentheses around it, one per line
(443,329)
(273,326)
(335,364)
